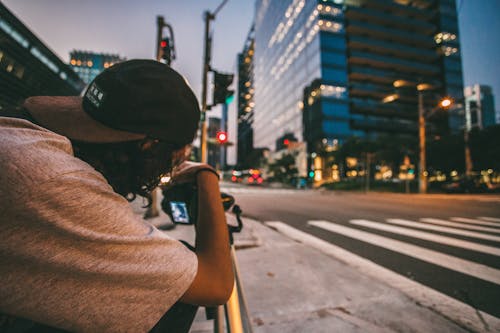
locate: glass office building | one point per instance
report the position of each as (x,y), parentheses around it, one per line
(479,107)
(89,64)
(328,70)
(28,67)
(245,101)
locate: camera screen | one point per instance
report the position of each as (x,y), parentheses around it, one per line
(179,212)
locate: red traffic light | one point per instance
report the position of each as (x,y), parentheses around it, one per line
(221,137)
(163,43)
(286,142)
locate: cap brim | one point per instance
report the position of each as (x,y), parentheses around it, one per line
(65,115)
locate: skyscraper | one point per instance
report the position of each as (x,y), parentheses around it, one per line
(89,64)
(352,67)
(245,101)
(28,67)
(479,107)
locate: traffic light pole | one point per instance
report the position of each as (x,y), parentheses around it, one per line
(153,210)
(206,68)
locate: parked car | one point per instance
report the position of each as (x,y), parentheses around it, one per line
(470,184)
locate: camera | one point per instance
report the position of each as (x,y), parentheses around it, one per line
(180,202)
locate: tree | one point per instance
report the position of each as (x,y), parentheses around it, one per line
(283,170)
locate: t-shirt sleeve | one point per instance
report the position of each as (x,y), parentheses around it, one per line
(90,261)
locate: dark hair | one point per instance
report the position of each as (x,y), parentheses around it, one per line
(131,168)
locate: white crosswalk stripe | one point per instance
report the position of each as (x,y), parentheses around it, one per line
(475,221)
(239,190)
(428,297)
(429,237)
(457,264)
(459,225)
(444,229)
(491,219)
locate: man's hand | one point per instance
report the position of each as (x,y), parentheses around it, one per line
(188,171)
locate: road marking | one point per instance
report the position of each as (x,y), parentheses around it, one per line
(429,236)
(474,221)
(492,219)
(459,225)
(457,264)
(444,229)
(428,297)
(257,191)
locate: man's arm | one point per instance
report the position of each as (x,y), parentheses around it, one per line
(214,280)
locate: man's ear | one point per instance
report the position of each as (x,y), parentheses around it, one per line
(148,143)
(180,155)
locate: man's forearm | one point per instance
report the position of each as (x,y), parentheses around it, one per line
(214,280)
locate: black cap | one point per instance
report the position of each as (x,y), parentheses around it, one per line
(128,101)
(144,97)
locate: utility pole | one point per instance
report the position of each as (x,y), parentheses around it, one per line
(206,68)
(422,172)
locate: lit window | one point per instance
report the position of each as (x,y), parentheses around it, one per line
(13,33)
(448,50)
(444,37)
(333,91)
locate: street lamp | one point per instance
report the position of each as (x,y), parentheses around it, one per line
(422,116)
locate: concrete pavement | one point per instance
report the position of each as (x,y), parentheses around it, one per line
(292,285)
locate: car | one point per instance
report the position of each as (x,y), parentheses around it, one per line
(249,177)
(467,184)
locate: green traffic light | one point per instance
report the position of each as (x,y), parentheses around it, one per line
(311,174)
(229,99)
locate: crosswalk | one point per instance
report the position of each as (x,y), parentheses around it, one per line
(440,231)
(466,246)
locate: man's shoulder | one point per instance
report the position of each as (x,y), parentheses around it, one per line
(30,155)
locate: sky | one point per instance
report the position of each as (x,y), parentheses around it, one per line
(128,28)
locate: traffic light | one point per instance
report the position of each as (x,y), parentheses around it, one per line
(221,137)
(165,50)
(221,92)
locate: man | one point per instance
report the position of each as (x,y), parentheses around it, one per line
(73,255)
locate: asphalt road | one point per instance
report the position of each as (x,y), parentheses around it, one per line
(367,224)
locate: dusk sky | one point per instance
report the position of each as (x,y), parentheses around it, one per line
(128,28)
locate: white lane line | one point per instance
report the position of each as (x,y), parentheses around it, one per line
(492,219)
(444,229)
(430,298)
(474,221)
(429,237)
(459,225)
(457,264)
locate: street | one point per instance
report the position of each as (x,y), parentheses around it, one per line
(450,243)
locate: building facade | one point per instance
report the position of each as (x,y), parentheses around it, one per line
(245,102)
(89,64)
(28,67)
(326,70)
(479,107)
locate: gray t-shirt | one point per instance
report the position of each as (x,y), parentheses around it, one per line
(72,252)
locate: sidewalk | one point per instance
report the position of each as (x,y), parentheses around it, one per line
(291,286)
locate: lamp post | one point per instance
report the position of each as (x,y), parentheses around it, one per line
(422,172)
(422,165)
